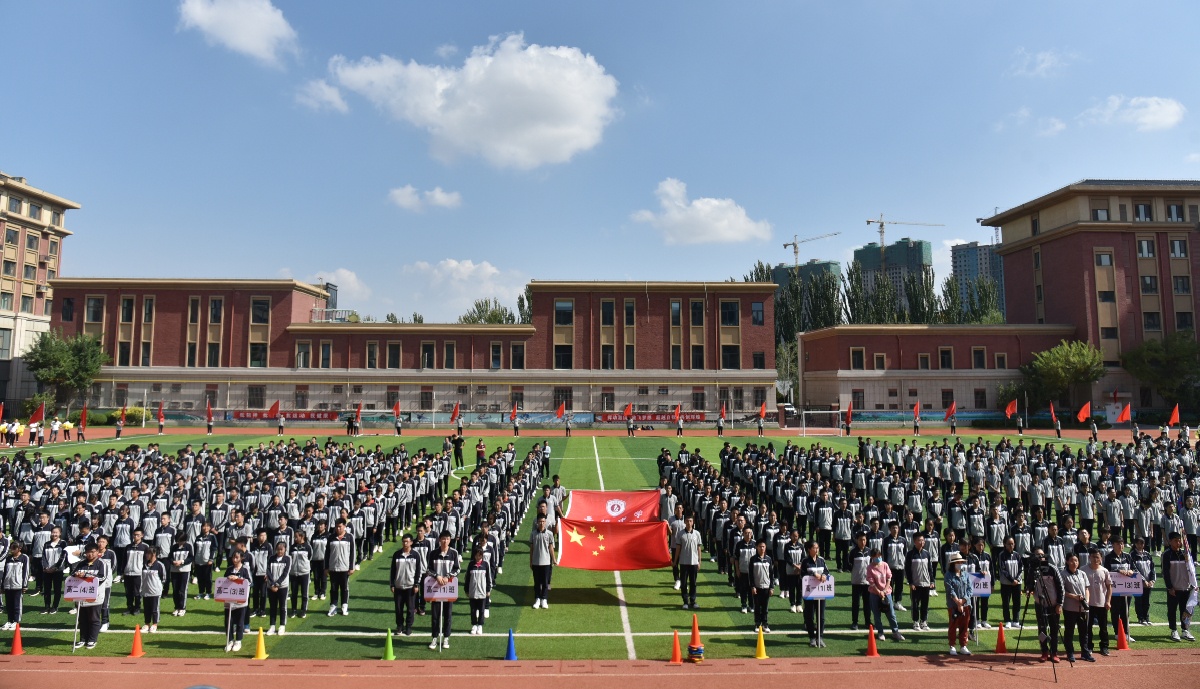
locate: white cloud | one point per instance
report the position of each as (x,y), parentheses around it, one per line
(318,94)
(1050,126)
(1016,118)
(1192,158)
(348,282)
(251,27)
(702,220)
(444,290)
(1146,113)
(446,51)
(1040,65)
(513,104)
(410,198)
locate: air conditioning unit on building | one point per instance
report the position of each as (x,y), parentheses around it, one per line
(42,287)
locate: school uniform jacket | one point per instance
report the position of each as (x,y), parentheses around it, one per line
(406,569)
(153,577)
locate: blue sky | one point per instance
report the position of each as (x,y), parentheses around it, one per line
(424,154)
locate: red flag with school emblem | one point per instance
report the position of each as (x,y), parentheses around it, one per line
(613,505)
(609,546)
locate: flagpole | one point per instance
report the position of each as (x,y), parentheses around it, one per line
(143,408)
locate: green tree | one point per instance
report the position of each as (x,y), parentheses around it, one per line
(417,318)
(525,306)
(65,365)
(1171,366)
(924,306)
(823,302)
(983,301)
(1068,366)
(953,310)
(30,404)
(488,311)
(884,300)
(856,300)
(391,318)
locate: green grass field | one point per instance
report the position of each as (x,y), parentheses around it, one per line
(585,619)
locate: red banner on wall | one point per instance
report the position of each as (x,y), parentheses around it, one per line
(649,417)
(613,505)
(264,415)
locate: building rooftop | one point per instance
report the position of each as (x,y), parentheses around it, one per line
(21,185)
(1088,185)
(188,283)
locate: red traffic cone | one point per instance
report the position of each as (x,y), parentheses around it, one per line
(17,650)
(137,651)
(1001,644)
(676,655)
(1122,638)
(872,650)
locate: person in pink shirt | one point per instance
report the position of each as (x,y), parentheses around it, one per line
(879,586)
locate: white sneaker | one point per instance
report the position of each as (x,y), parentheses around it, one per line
(271,631)
(685,606)
(545,604)
(145,627)
(901,608)
(537,603)
(677,584)
(499,570)
(793,608)
(357,567)
(964,651)
(433,645)
(228,646)
(237,646)
(953,651)
(1130,639)
(1174,636)
(933,592)
(1187,635)
(282,630)
(345,608)
(154,629)
(446,642)
(985,625)
(332,610)
(313,597)
(104,627)
(487,613)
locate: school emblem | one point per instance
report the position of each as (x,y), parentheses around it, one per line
(614,507)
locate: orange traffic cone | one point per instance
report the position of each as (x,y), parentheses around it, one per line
(872,650)
(1001,644)
(137,651)
(676,656)
(696,647)
(17,650)
(695,632)
(1122,639)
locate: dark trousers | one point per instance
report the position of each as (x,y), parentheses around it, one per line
(319,577)
(859,593)
(277,600)
(339,588)
(792,585)
(541,581)
(52,586)
(235,622)
(1073,621)
(477,606)
(179,588)
(442,618)
(1047,619)
(897,586)
(1120,612)
(814,614)
(1098,616)
(823,538)
(920,604)
(1141,605)
(258,595)
(761,600)
(151,609)
(299,589)
(1010,597)
(687,580)
(842,548)
(204,578)
(1175,606)
(743,589)
(405,608)
(89,623)
(13,604)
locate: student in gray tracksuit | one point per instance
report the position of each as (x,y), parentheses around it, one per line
(151,578)
(301,571)
(407,568)
(14,582)
(339,563)
(541,561)
(279,572)
(479,587)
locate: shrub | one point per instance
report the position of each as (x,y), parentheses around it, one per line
(95,418)
(133,416)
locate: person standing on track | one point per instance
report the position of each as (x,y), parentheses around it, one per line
(541,561)
(687,560)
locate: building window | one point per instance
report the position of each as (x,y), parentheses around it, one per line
(1174,212)
(923,362)
(630,318)
(6,301)
(11,236)
(68,308)
(448,355)
(53,247)
(730,314)
(563,357)
(758,360)
(14,204)
(947,398)
(216,309)
(5,344)
(697,314)
(517,362)
(893,392)
(912,392)
(55,218)
(757,314)
(392,398)
(1183,320)
(426,355)
(1100,214)
(426,400)
(26,304)
(258,355)
(629,360)
(1035,226)
(858,359)
(1152,320)
(731,357)
(698,400)
(517,398)
(214,355)
(303,354)
(739,399)
(564,397)
(1104,260)
(48,307)
(35,212)
(10,269)
(697,357)
(978,357)
(1108,333)
(1179,248)
(608,401)
(676,357)
(1037,293)
(1107,296)
(1182,284)
(1145,248)
(981,399)
(1149,284)
(123,353)
(676,313)
(29,272)
(564,312)
(32,241)
(664,391)
(326,355)
(372,355)
(356,389)
(608,313)
(945,357)
(393,355)
(148,310)
(300,397)
(191,355)
(256,396)
(607,357)
(126,309)
(260,311)
(859,399)
(1142,212)
(880,362)
(1001,361)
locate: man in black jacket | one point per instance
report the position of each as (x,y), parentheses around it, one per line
(1177,580)
(1044,582)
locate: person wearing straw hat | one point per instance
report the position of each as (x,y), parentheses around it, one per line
(958,603)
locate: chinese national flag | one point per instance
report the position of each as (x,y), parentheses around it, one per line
(208,412)
(1053,418)
(950,411)
(1174,420)
(722,410)
(1084,412)
(917,410)
(454,414)
(358,413)
(609,546)
(1124,416)
(273,412)
(629,411)
(562,409)
(39,414)
(161,418)
(850,413)
(762,411)
(678,409)
(513,415)
(82,416)
(1010,409)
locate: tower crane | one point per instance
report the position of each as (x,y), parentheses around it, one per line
(882,244)
(796,242)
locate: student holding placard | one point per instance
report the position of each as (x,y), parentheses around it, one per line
(235,608)
(91,569)
(1120,565)
(813,568)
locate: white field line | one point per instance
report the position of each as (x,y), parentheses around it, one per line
(628,630)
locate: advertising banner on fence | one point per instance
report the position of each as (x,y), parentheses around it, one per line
(301,415)
(652,417)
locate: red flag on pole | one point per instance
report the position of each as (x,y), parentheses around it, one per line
(161,418)
(39,414)
(1174,420)
(722,410)
(562,410)
(454,414)
(358,413)
(82,416)
(396,409)
(513,415)
(609,546)
(1010,409)
(1114,395)
(629,411)
(1053,418)
(2,409)
(122,414)
(678,410)
(1084,412)
(1124,416)
(208,411)
(850,412)
(762,411)
(950,411)
(917,410)
(273,412)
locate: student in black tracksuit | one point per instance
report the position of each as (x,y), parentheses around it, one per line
(258,555)
(478,583)
(89,611)
(182,557)
(151,580)
(406,578)
(1176,579)
(443,564)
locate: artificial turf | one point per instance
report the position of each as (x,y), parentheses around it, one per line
(584,618)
